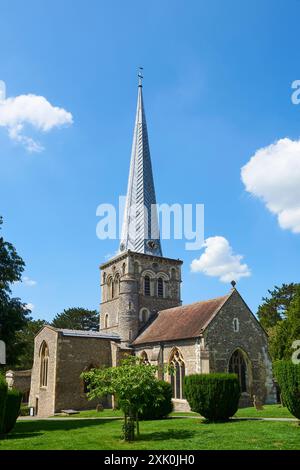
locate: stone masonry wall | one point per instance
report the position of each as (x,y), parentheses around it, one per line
(43,397)
(221,340)
(123,312)
(75,355)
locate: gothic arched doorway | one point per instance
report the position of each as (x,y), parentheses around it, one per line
(238,365)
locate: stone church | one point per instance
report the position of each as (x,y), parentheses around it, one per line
(142,314)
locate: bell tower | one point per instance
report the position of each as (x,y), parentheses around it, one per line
(138,282)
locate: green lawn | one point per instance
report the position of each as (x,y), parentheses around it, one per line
(270,411)
(169,434)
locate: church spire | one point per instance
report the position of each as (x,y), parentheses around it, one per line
(140,231)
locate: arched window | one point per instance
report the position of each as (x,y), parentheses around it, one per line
(106,321)
(112,292)
(44,365)
(147,285)
(104,278)
(160,287)
(117,285)
(237,365)
(109,288)
(177,373)
(123,268)
(144,315)
(144,358)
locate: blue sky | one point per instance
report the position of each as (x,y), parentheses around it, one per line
(217,88)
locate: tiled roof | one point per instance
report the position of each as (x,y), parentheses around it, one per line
(186,321)
(88,334)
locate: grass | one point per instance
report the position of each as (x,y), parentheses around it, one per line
(168,434)
(270,411)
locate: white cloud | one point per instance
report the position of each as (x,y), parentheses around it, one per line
(218,260)
(30,306)
(28,282)
(19,112)
(273,175)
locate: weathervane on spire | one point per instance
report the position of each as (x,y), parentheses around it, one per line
(140,75)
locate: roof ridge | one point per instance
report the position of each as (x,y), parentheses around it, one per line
(197,302)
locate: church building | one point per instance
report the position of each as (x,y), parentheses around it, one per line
(142,314)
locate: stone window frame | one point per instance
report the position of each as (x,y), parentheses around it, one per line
(165,278)
(106,322)
(109,283)
(248,369)
(142,319)
(44,364)
(176,361)
(144,358)
(236,324)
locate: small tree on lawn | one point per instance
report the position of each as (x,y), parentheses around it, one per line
(130,383)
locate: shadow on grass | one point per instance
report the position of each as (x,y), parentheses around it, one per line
(24,429)
(166,435)
(13,436)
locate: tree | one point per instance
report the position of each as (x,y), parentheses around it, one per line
(11,266)
(77,319)
(286,331)
(14,314)
(130,383)
(274,308)
(26,338)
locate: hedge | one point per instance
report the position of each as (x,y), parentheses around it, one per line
(159,403)
(214,396)
(12,409)
(3,396)
(288,377)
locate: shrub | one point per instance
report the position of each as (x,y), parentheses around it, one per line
(288,377)
(159,403)
(3,396)
(12,409)
(24,410)
(214,396)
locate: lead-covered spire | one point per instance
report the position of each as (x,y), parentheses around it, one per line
(140,231)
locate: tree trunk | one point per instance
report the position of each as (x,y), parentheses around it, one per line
(137,425)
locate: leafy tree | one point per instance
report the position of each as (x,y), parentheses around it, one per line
(11,266)
(286,331)
(131,383)
(13,318)
(14,314)
(288,377)
(26,338)
(77,319)
(274,308)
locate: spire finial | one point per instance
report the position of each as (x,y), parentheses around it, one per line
(140,75)
(233,283)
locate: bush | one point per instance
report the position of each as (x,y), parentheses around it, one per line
(3,396)
(288,377)
(159,403)
(214,396)
(24,410)
(12,409)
